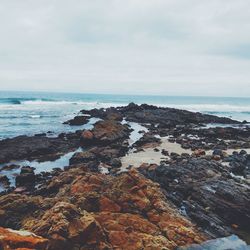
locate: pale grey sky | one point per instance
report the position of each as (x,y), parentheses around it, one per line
(167,47)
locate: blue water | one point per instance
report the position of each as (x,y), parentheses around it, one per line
(33,112)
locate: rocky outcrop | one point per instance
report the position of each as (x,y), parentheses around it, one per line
(80,208)
(96,211)
(205,190)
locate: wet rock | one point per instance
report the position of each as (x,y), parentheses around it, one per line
(9,167)
(240,164)
(78,120)
(25,147)
(168,117)
(12,239)
(210,197)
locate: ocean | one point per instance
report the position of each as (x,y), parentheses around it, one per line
(29,113)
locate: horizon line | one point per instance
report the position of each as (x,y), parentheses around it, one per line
(117,94)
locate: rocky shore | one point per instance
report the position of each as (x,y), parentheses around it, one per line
(142,177)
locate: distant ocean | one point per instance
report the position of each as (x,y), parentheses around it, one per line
(28,113)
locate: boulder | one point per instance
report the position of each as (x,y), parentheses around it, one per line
(109,131)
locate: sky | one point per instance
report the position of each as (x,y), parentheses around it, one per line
(165,47)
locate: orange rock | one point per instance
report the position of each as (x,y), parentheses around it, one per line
(87,135)
(96,211)
(11,239)
(108,205)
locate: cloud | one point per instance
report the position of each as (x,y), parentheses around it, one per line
(185,47)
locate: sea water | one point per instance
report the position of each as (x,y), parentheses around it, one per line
(29,113)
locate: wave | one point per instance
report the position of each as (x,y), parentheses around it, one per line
(208,108)
(32,116)
(18,101)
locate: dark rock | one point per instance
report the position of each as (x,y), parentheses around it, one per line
(82,157)
(165,152)
(211,198)
(243,152)
(116,163)
(78,120)
(218,152)
(25,147)
(146,140)
(26,177)
(9,167)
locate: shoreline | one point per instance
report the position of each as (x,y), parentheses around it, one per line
(202,174)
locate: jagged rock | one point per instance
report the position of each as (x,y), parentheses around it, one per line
(210,197)
(95,211)
(64,226)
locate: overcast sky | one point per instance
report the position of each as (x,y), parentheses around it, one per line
(168,47)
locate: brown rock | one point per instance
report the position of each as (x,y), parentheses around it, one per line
(216,157)
(109,131)
(108,205)
(199,152)
(95,211)
(87,135)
